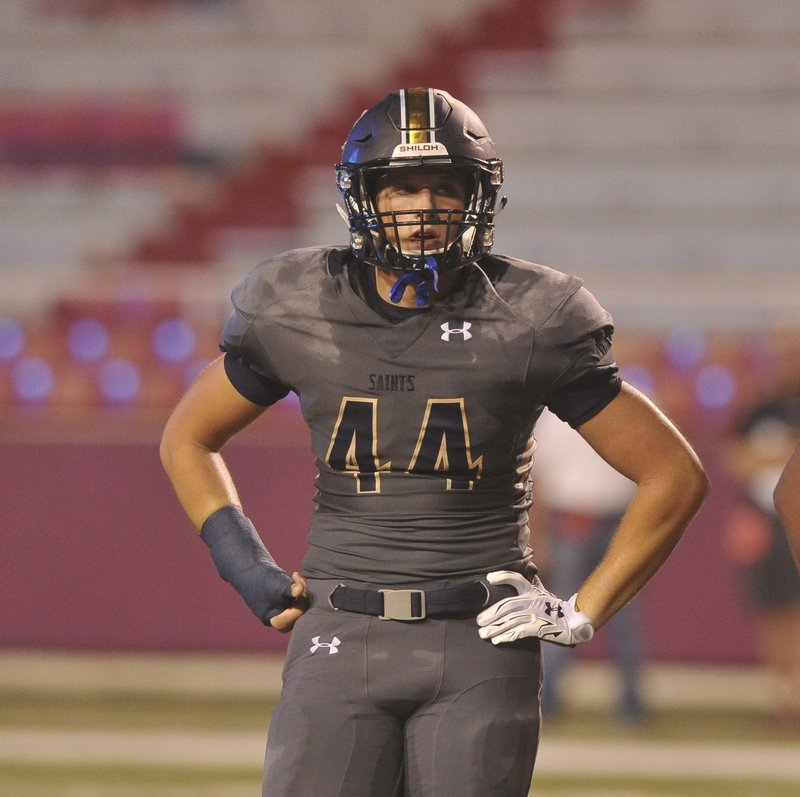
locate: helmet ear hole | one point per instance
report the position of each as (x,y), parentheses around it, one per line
(421,129)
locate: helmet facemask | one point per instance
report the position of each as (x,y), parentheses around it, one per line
(462,235)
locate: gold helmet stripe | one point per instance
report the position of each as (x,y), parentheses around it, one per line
(417,115)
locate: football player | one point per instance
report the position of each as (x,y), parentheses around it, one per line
(421,362)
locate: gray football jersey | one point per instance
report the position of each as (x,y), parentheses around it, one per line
(422,429)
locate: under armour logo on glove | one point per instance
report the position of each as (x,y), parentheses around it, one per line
(549,608)
(533,612)
(462,330)
(333,645)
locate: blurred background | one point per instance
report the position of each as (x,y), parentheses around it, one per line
(153,151)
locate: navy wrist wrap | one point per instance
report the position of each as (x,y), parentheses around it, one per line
(244,562)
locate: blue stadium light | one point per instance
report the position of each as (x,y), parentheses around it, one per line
(88,340)
(33,379)
(715,386)
(12,338)
(119,380)
(685,347)
(173,340)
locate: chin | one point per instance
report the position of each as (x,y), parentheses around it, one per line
(434,248)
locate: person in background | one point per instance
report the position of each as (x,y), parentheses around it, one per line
(763,440)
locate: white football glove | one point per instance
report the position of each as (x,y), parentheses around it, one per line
(534,612)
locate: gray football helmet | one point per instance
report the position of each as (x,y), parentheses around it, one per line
(419,128)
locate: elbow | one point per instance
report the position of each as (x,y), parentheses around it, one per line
(683,485)
(696,485)
(180,450)
(165,453)
(166,449)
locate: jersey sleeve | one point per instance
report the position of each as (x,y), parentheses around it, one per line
(573,356)
(254,386)
(247,362)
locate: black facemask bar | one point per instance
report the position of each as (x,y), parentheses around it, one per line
(469,232)
(450,227)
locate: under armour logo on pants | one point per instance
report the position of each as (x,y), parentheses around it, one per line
(333,645)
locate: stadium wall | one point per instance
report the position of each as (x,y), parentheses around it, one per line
(98,555)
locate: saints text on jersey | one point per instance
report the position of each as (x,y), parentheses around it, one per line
(403,383)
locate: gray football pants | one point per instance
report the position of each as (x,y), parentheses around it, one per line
(379,708)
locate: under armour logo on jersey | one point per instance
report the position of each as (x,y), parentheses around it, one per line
(333,645)
(462,330)
(550,609)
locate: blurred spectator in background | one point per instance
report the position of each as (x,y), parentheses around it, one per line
(580,500)
(762,442)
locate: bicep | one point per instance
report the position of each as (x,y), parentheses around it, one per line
(637,439)
(211,411)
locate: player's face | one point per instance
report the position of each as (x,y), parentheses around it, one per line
(421,202)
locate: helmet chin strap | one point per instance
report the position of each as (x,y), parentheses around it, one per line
(419,279)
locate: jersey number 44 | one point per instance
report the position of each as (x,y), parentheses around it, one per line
(442,447)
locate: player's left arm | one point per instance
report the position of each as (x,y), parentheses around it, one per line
(787,502)
(636,439)
(633,436)
(639,441)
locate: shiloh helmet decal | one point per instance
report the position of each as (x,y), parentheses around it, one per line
(425,129)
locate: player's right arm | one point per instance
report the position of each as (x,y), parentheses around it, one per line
(209,414)
(787,502)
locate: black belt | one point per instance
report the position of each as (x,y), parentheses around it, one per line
(412,604)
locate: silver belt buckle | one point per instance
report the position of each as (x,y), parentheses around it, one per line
(397,604)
